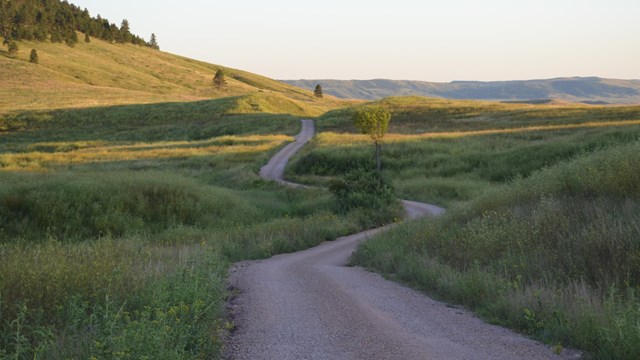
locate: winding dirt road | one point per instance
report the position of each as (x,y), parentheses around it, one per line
(308,305)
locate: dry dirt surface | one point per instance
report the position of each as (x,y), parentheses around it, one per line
(274,170)
(309,305)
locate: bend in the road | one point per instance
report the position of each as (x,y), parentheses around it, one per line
(274,170)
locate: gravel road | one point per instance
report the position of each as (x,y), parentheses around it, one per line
(308,305)
(274,170)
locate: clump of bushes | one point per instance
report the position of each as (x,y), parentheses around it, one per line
(324,163)
(367,194)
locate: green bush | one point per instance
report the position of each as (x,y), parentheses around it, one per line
(368,196)
(331,164)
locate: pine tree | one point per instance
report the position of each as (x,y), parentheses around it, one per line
(87,38)
(71,39)
(219,81)
(153,43)
(13,47)
(125,37)
(58,21)
(33,58)
(318,91)
(56,37)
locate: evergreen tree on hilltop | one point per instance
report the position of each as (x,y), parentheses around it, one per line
(71,38)
(12,47)
(153,43)
(6,21)
(125,36)
(219,82)
(87,38)
(318,91)
(58,21)
(33,57)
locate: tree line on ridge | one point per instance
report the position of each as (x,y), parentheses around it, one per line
(59,21)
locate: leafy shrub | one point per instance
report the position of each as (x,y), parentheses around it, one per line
(331,164)
(368,196)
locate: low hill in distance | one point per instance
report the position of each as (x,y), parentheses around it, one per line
(100,73)
(590,90)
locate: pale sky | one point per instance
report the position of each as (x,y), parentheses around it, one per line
(395,39)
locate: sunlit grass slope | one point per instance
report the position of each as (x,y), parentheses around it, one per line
(99,73)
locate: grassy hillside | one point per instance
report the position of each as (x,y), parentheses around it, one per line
(100,73)
(589,90)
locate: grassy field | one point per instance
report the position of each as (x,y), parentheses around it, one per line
(118,225)
(541,231)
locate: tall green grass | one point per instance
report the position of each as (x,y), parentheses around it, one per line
(414,115)
(109,298)
(453,171)
(555,255)
(141,122)
(69,207)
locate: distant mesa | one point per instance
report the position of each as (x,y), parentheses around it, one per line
(587,90)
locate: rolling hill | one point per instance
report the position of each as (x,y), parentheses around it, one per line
(100,73)
(591,90)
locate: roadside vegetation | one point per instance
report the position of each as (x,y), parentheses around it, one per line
(118,225)
(541,230)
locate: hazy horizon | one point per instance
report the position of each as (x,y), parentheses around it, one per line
(461,40)
(463,80)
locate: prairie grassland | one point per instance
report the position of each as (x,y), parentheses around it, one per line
(453,170)
(83,152)
(541,232)
(419,115)
(469,145)
(341,139)
(117,226)
(170,121)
